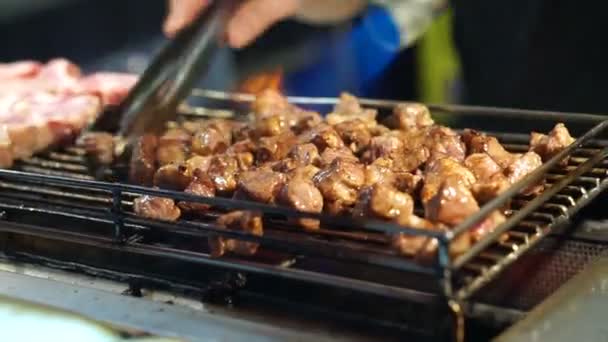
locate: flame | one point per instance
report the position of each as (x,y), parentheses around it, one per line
(264,81)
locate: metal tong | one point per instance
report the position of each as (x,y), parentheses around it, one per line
(170,77)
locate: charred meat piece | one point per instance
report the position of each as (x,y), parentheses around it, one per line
(304,172)
(549,145)
(410,183)
(274,148)
(210,140)
(452,203)
(340,182)
(487,189)
(261,185)
(482,165)
(173,146)
(523,166)
(440,170)
(173,177)
(306,120)
(156,208)
(443,142)
(480,143)
(243,221)
(143,160)
(355,134)
(304,154)
(99,147)
(388,145)
(349,108)
(331,154)
(223,170)
(381,171)
(322,136)
(198,163)
(409,116)
(201,185)
(301,194)
(383,201)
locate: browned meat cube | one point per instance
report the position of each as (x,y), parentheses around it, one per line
(355,134)
(322,136)
(480,143)
(442,169)
(274,148)
(548,146)
(198,162)
(210,140)
(156,208)
(410,183)
(383,201)
(452,203)
(242,146)
(244,221)
(387,145)
(443,142)
(523,166)
(304,172)
(143,160)
(173,177)
(487,189)
(340,182)
(486,226)
(381,171)
(270,102)
(349,108)
(271,125)
(304,154)
(172,146)
(6,149)
(261,185)
(201,185)
(99,147)
(482,165)
(301,194)
(306,120)
(331,154)
(408,116)
(223,170)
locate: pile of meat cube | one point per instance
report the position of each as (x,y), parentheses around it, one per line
(48,104)
(344,164)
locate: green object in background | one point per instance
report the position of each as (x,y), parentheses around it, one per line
(438,65)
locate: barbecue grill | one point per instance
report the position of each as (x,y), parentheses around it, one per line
(55,212)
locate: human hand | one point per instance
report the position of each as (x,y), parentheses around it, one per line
(251,18)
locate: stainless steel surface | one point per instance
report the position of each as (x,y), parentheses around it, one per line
(576,312)
(186,318)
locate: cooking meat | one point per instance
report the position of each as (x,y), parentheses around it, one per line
(275,147)
(301,194)
(409,116)
(306,120)
(549,145)
(173,177)
(6,149)
(143,161)
(304,172)
(156,208)
(242,221)
(201,185)
(381,171)
(322,136)
(482,165)
(270,102)
(242,146)
(331,154)
(19,70)
(486,226)
(198,162)
(387,145)
(340,183)
(523,166)
(451,204)
(443,142)
(487,189)
(349,108)
(480,143)
(99,147)
(304,154)
(223,170)
(355,134)
(111,87)
(261,185)
(209,140)
(442,169)
(383,201)
(271,125)
(173,146)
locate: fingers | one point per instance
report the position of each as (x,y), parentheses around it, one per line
(254,17)
(181,14)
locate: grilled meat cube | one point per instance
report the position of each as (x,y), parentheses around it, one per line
(156,208)
(378,130)
(549,145)
(242,146)
(198,163)
(486,226)
(381,171)
(443,142)
(482,165)
(409,116)
(388,145)
(340,183)
(6,149)
(383,201)
(349,108)
(223,170)
(210,140)
(172,146)
(407,182)
(270,102)
(306,120)
(322,136)
(244,221)
(331,154)
(301,194)
(173,177)
(477,142)
(261,185)
(304,172)
(523,166)
(274,148)
(452,203)
(143,160)
(355,134)
(271,125)
(99,147)
(487,189)
(442,169)
(200,185)
(304,154)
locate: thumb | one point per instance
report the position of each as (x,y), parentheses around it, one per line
(181,14)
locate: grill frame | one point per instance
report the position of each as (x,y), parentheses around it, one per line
(446,272)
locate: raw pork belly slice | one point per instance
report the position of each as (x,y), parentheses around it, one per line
(22,69)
